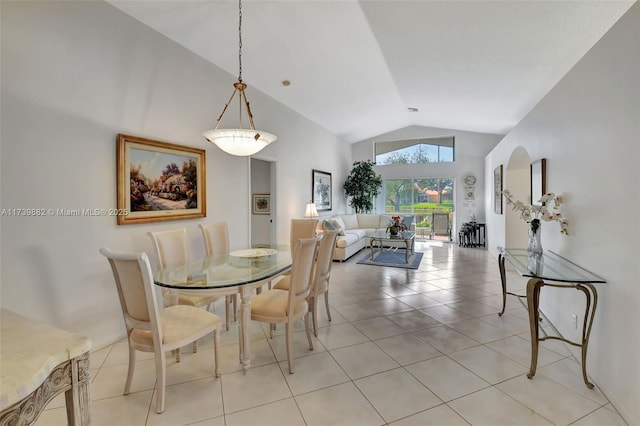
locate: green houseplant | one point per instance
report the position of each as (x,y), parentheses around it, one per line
(362,186)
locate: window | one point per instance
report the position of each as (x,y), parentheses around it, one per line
(415,151)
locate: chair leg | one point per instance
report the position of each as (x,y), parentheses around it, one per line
(326,304)
(313,305)
(132,363)
(227,308)
(307,327)
(272,329)
(161,382)
(216,354)
(289,345)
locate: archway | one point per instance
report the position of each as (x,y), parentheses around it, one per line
(517,179)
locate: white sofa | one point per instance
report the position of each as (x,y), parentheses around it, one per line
(354,229)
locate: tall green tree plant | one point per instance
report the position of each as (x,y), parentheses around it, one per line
(362,186)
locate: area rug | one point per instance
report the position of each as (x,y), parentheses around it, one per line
(394,259)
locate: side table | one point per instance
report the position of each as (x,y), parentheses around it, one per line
(37,362)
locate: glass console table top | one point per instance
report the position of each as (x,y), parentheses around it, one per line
(548,266)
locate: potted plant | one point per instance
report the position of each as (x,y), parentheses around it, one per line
(362,186)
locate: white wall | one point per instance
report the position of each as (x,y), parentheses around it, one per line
(470,149)
(588,129)
(74,74)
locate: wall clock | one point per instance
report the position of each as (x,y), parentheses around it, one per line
(470,180)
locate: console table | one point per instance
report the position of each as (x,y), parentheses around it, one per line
(542,268)
(37,362)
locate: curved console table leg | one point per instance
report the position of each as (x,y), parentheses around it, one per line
(503,281)
(533,302)
(589,312)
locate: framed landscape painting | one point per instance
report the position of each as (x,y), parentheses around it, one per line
(159,181)
(321,190)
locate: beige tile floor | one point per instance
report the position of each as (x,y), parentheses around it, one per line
(404,347)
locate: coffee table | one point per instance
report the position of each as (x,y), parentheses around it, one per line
(378,238)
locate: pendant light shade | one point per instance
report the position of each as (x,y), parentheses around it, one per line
(240,142)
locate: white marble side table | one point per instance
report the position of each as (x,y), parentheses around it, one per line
(37,362)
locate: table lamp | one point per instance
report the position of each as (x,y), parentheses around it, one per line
(310,211)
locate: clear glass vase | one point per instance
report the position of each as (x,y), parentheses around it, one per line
(535,244)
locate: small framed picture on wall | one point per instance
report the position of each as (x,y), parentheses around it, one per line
(321,190)
(538,180)
(497,189)
(261,204)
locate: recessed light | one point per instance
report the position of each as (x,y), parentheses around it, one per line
(286,83)
(412,109)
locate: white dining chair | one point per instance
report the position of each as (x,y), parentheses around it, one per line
(321,276)
(299,228)
(150,328)
(170,248)
(286,306)
(216,243)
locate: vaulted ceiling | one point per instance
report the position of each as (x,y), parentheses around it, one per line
(356,67)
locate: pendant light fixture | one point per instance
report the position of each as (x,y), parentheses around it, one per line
(240,142)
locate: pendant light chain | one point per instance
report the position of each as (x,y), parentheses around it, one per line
(240,40)
(240,142)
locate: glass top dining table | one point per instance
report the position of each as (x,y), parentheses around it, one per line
(240,267)
(238,272)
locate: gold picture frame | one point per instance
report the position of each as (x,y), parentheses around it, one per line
(159,181)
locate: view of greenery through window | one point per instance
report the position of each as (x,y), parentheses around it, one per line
(420,197)
(417,151)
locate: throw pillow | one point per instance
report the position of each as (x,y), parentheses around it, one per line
(328,226)
(338,222)
(336,225)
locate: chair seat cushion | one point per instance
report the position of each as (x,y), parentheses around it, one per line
(283,284)
(177,322)
(195,300)
(273,304)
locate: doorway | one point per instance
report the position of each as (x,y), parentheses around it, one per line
(263,183)
(422,198)
(517,180)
